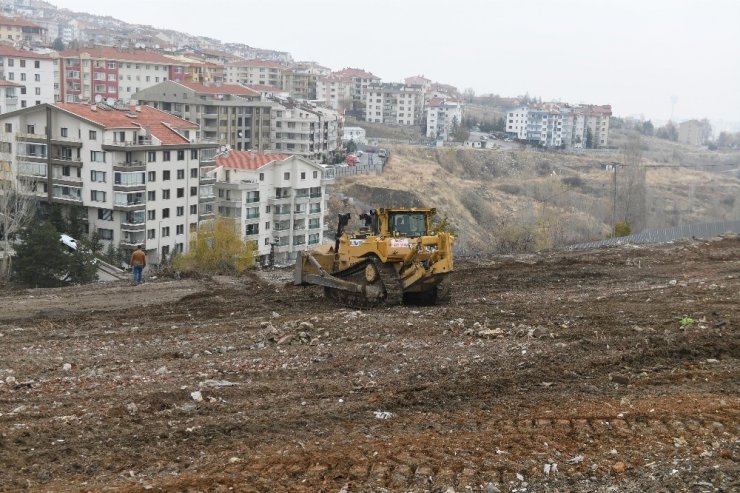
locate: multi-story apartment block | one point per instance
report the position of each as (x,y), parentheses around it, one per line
(199,71)
(279,201)
(693,132)
(361,80)
(34,73)
(102,74)
(16,29)
(228,114)
(134,172)
(255,72)
(419,80)
(558,125)
(304,129)
(394,103)
(442,116)
(335,92)
(356,134)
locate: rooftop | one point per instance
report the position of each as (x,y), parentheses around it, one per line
(16,21)
(108,53)
(159,123)
(8,50)
(247,160)
(355,72)
(257,63)
(233,89)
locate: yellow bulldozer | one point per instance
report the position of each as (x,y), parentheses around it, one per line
(394,257)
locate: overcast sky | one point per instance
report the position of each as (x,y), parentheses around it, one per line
(633,54)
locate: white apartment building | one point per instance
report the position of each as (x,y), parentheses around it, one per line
(442,115)
(361,80)
(394,103)
(278,201)
(255,72)
(9,96)
(304,129)
(335,92)
(134,171)
(556,125)
(357,134)
(33,72)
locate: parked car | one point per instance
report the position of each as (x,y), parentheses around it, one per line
(70,242)
(508,139)
(352,160)
(382,153)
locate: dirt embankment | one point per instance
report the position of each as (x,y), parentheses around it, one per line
(610,370)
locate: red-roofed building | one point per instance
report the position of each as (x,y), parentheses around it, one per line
(18,29)
(279,200)
(104,73)
(135,171)
(361,79)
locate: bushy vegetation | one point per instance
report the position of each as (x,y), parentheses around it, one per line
(218,248)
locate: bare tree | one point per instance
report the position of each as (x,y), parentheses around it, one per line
(16,211)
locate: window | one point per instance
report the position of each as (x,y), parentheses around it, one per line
(93,134)
(38,91)
(8,127)
(151,156)
(193,152)
(64,131)
(193,209)
(105,214)
(165,213)
(193,191)
(151,215)
(97,156)
(286,175)
(31,129)
(180,229)
(315,174)
(97,196)
(165,231)
(262,177)
(181,155)
(194,173)
(303,175)
(165,194)
(36,64)
(96,176)
(180,193)
(105,234)
(180,210)
(151,195)
(151,176)
(180,174)
(151,234)
(166,156)
(166,174)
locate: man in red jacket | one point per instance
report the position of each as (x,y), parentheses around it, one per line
(138,262)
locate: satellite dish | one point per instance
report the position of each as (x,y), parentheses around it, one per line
(98,98)
(109,101)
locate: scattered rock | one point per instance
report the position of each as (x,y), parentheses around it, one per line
(490,332)
(285,340)
(132,408)
(197,396)
(217,383)
(162,370)
(491,488)
(619,467)
(620,379)
(66,367)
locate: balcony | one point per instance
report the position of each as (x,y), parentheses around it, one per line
(59,176)
(284,199)
(68,141)
(66,161)
(66,194)
(28,137)
(133,227)
(126,144)
(135,165)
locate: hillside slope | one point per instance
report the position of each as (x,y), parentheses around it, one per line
(525,200)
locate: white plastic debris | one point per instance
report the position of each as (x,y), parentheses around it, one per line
(66,367)
(575,460)
(383,414)
(197,396)
(519,477)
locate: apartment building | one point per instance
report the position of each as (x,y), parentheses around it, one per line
(304,129)
(9,95)
(356,134)
(34,74)
(419,80)
(16,29)
(361,80)
(442,115)
(560,125)
(110,74)
(199,71)
(278,201)
(134,171)
(228,114)
(335,92)
(394,103)
(692,132)
(255,72)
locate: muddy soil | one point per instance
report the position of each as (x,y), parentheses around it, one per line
(604,370)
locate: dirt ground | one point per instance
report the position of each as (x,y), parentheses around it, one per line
(605,370)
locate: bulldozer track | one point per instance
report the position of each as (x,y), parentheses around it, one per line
(481,456)
(387,275)
(391,283)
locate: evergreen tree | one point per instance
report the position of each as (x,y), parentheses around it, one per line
(57,219)
(40,258)
(82,266)
(57,45)
(74,226)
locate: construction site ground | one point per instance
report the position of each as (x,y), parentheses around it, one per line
(603,370)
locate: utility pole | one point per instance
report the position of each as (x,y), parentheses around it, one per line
(614,201)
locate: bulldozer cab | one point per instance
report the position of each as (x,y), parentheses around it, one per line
(410,224)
